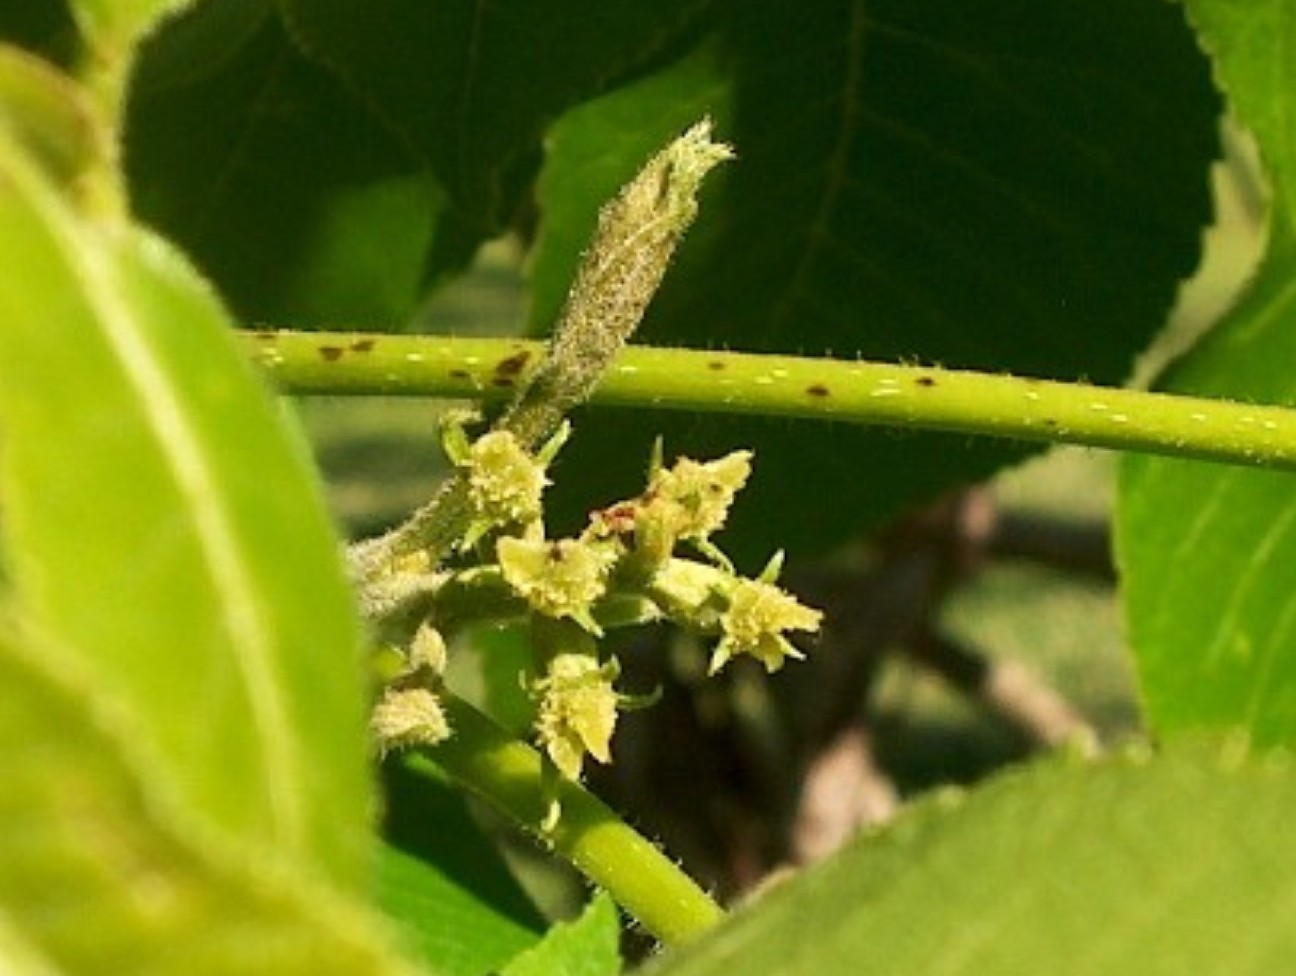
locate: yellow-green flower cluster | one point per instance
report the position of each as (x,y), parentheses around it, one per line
(751,616)
(504,482)
(624,569)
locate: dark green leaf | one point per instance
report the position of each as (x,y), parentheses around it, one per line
(1013,186)
(300,204)
(161,522)
(473,85)
(586,947)
(44,28)
(444,882)
(1143,867)
(111,30)
(101,873)
(1206,551)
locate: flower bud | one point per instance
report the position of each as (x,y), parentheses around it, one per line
(408,717)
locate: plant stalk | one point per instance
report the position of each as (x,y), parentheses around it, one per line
(507,773)
(996,405)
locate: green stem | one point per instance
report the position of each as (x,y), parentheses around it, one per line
(788,386)
(507,773)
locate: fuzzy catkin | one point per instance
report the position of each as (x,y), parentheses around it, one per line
(637,233)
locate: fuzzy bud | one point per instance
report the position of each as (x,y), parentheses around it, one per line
(407,717)
(637,233)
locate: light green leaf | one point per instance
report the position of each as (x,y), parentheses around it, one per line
(101,874)
(587,946)
(18,957)
(161,523)
(445,921)
(43,109)
(1129,867)
(1206,551)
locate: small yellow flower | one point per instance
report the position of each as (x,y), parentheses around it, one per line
(562,578)
(754,623)
(577,711)
(505,483)
(692,499)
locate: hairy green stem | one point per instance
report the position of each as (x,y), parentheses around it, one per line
(788,386)
(507,774)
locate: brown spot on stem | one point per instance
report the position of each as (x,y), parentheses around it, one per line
(511,366)
(716,365)
(363,345)
(460,374)
(331,354)
(817,390)
(925,381)
(502,381)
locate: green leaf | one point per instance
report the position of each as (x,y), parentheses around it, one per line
(18,957)
(1015,188)
(326,173)
(1206,551)
(443,881)
(44,110)
(161,522)
(294,198)
(111,28)
(472,86)
(586,947)
(1167,865)
(100,873)
(46,29)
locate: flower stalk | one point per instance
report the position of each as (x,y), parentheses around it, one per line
(510,776)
